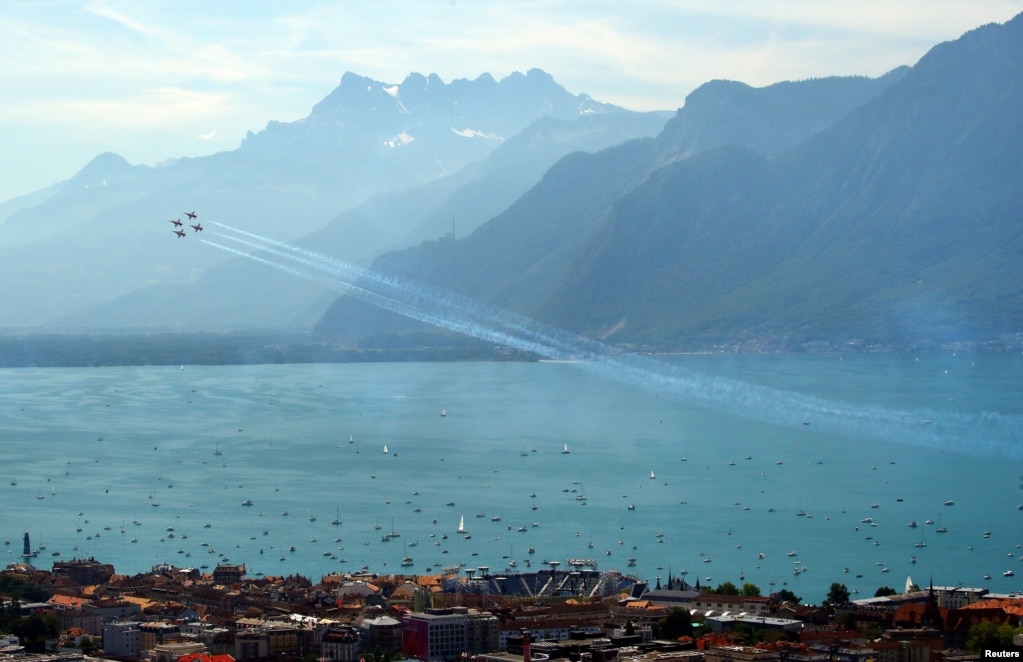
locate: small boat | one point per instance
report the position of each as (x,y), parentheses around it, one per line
(247,502)
(1008,573)
(461,525)
(564,449)
(443,413)
(652,476)
(385,449)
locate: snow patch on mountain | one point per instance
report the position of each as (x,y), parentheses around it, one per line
(399,140)
(473,133)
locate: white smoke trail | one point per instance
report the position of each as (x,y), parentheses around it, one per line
(986,433)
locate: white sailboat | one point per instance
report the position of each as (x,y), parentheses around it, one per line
(385,449)
(461,525)
(564,449)
(652,476)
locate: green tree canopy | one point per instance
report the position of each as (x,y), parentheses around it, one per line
(838,594)
(786,595)
(989,635)
(677,623)
(727,588)
(750,590)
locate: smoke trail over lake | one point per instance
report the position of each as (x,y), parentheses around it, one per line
(985,433)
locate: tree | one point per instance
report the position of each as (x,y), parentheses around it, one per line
(35,629)
(750,590)
(847,620)
(677,623)
(727,588)
(380,654)
(786,595)
(90,645)
(838,594)
(988,635)
(884,591)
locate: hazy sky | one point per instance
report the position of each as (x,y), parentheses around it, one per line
(155,79)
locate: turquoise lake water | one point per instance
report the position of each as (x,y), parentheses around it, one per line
(826,435)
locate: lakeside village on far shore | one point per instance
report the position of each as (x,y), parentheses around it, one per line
(82,609)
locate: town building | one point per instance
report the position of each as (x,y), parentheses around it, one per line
(156,633)
(122,639)
(441,635)
(381,632)
(727,622)
(113,610)
(171,652)
(228,573)
(739,654)
(340,643)
(267,641)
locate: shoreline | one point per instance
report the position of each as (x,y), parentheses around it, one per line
(82,350)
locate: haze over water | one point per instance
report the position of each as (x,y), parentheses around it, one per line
(110,442)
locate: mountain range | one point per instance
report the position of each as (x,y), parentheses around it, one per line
(896,222)
(93,252)
(834,210)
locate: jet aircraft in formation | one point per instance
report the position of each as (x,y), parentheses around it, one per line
(177,224)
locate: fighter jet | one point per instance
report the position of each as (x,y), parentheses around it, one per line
(175,221)
(180,233)
(197,227)
(191,215)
